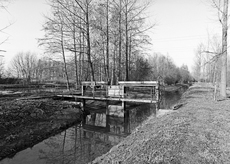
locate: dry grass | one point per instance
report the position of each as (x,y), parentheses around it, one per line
(199,132)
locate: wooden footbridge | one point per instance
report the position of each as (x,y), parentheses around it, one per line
(125,91)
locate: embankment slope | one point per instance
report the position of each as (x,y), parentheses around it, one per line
(198,132)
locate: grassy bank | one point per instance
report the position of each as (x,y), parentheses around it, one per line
(173,88)
(23,123)
(198,132)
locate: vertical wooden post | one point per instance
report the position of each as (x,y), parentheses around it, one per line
(107,116)
(84,116)
(83,110)
(107,90)
(82,90)
(107,107)
(93,91)
(123,96)
(157,93)
(126,114)
(107,123)
(152,92)
(126,120)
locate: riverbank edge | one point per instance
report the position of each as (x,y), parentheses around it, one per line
(198,132)
(29,143)
(174,88)
(40,133)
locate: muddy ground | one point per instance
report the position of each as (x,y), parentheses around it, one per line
(26,120)
(198,132)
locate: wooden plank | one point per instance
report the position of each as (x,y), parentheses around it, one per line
(96,83)
(115,91)
(125,83)
(138,83)
(111,99)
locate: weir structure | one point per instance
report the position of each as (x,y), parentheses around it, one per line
(118,98)
(125,91)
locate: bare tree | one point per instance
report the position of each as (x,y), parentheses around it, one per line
(224,50)
(84,14)
(24,65)
(222,9)
(1,66)
(198,60)
(54,40)
(164,66)
(103,37)
(3,4)
(107,38)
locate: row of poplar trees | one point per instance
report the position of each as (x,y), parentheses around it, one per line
(103,37)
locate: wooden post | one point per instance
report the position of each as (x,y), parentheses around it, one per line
(157,93)
(107,116)
(107,90)
(83,110)
(126,120)
(82,90)
(107,107)
(123,96)
(93,91)
(152,92)
(107,123)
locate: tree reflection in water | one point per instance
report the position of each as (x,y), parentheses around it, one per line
(78,146)
(82,144)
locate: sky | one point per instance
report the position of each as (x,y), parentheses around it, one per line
(26,18)
(180,26)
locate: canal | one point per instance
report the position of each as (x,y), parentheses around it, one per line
(83,143)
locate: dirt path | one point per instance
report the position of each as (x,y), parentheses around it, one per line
(24,123)
(198,132)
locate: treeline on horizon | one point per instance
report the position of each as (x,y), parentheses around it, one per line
(27,68)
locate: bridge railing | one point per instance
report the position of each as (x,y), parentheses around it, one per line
(124,89)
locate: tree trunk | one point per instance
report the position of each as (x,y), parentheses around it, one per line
(120,37)
(113,78)
(83,57)
(88,42)
(224,51)
(75,55)
(63,55)
(104,60)
(126,44)
(80,60)
(65,67)
(107,40)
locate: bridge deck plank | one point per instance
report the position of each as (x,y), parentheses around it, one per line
(110,98)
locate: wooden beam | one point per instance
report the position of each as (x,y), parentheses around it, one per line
(110,99)
(138,83)
(97,83)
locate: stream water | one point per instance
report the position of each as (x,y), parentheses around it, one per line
(83,143)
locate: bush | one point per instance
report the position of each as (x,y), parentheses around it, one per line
(10,81)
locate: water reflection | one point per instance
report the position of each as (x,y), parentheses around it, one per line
(77,145)
(171,98)
(83,143)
